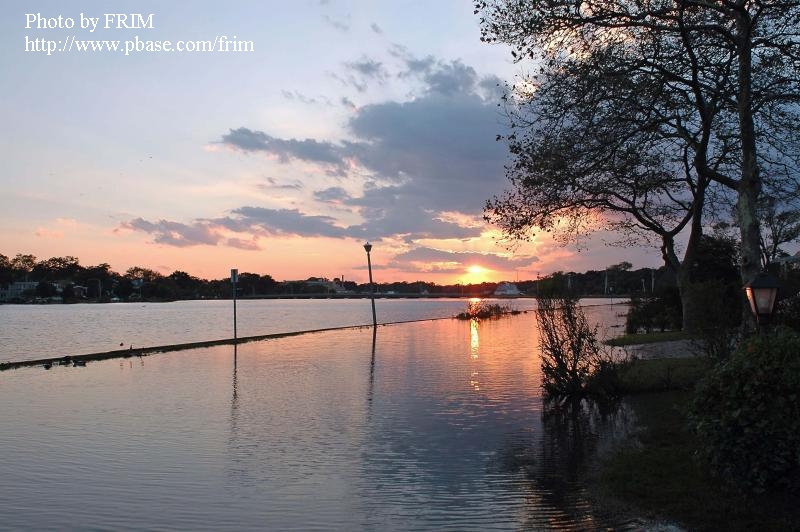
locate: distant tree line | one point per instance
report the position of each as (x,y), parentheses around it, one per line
(67,278)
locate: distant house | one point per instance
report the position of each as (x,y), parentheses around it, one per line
(506,289)
(80,291)
(321,284)
(790,260)
(15,290)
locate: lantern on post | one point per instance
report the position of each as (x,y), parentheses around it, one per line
(762,292)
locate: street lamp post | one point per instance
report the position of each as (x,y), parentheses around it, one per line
(762,292)
(368,248)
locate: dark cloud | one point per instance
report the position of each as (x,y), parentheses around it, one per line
(283,222)
(332,194)
(285,149)
(377,29)
(251,221)
(431,154)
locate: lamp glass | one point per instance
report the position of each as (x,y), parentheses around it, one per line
(762,300)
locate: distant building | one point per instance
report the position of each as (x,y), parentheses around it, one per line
(506,289)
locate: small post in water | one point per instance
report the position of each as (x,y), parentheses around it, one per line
(234,280)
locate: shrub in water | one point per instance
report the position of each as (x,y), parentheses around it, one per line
(747,414)
(481,310)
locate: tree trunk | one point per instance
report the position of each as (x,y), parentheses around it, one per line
(750,183)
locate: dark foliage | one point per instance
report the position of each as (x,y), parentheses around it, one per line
(747,414)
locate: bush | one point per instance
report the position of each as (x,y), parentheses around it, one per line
(788,313)
(571,353)
(716,317)
(747,414)
(662,312)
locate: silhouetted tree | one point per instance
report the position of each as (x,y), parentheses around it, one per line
(780,224)
(6,271)
(22,266)
(660,98)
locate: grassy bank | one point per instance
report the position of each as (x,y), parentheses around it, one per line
(661,374)
(647,338)
(658,475)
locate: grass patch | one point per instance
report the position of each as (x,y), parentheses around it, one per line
(661,478)
(647,338)
(660,374)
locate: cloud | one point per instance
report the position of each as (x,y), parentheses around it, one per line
(358,74)
(238,243)
(451,78)
(43,232)
(369,68)
(377,29)
(250,222)
(348,103)
(302,98)
(286,150)
(429,259)
(175,233)
(273,184)
(337,24)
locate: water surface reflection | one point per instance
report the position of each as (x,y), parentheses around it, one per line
(436,425)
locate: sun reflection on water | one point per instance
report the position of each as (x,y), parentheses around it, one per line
(474,339)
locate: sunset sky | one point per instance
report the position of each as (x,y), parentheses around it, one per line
(349,121)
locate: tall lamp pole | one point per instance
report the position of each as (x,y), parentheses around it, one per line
(368,248)
(234,280)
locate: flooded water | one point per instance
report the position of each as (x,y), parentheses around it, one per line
(31,332)
(437,425)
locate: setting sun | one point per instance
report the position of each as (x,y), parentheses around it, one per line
(476,274)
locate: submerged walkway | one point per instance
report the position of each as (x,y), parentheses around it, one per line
(669,349)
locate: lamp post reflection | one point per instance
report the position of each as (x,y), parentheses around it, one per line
(372,366)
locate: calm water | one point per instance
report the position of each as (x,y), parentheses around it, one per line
(30,332)
(439,426)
